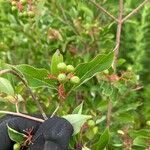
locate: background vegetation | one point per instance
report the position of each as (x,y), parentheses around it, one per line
(81,31)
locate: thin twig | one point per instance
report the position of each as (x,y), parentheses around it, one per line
(135,11)
(116,51)
(17,107)
(55,111)
(118,35)
(29,89)
(103,10)
(22,115)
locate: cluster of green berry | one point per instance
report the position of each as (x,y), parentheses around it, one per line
(24,8)
(66,73)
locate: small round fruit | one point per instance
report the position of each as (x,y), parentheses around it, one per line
(91,123)
(148,123)
(25,14)
(31,14)
(95,130)
(20,14)
(75,80)
(62,67)
(62,77)
(13,3)
(23,2)
(13,8)
(16,146)
(70,68)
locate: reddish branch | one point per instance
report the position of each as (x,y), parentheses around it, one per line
(116,51)
(118,35)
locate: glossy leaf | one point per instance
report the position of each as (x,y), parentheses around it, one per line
(77,120)
(86,71)
(56,59)
(6,87)
(140,141)
(78,109)
(35,77)
(103,140)
(15,135)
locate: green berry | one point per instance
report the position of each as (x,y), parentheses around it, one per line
(91,123)
(62,67)
(31,14)
(13,8)
(20,14)
(148,123)
(13,3)
(95,130)
(75,80)
(62,77)
(70,68)
(25,14)
(23,2)
(16,146)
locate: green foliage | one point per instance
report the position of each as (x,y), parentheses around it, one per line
(77,120)
(56,59)
(103,140)
(6,87)
(78,109)
(35,77)
(87,70)
(78,34)
(15,135)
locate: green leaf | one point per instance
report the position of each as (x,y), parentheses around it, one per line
(86,10)
(15,135)
(78,109)
(85,148)
(86,71)
(77,120)
(34,76)
(142,132)
(56,59)
(103,140)
(6,87)
(140,141)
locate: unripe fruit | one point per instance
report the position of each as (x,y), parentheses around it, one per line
(62,77)
(91,123)
(31,14)
(13,3)
(75,80)
(16,146)
(25,14)
(23,2)
(20,14)
(148,123)
(62,67)
(70,68)
(95,130)
(13,8)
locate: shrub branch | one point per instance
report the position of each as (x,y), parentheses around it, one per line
(118,34)
(103,10)
(135,10)
(22,115)
(26,85)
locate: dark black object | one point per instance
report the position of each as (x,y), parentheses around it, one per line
(53,134)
